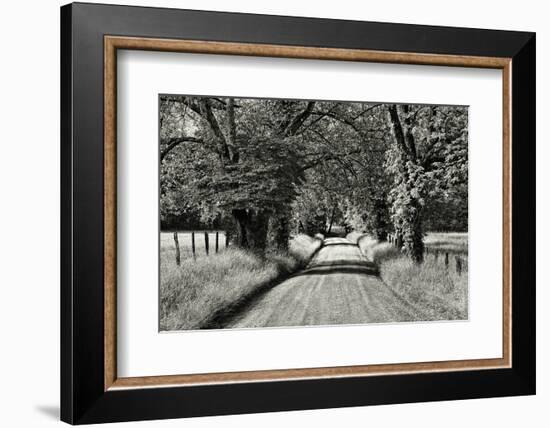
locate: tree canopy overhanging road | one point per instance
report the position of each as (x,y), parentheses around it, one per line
(264,167)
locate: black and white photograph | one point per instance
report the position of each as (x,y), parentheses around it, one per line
(288,212)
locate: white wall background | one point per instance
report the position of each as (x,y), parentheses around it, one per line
(29,219)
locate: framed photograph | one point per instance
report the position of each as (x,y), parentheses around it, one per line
(266,213)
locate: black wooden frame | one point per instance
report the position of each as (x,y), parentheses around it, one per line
(83,399)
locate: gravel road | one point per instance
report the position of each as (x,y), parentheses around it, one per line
(339,286)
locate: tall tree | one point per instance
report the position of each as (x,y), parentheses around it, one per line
(257,160)
(260,164)
(428,160)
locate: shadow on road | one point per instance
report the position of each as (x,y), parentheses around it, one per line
(343,262)
(353,266)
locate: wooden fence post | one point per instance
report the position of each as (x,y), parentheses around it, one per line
(177,243)
(446,260)
(193,244)
(206,243)
(458,265)
(227,238)
(217,246)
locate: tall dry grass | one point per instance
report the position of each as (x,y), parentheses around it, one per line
(192,294)
(438,293)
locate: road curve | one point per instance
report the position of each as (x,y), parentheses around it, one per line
(339,286)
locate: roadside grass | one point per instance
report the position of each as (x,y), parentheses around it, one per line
(194,293)
(437,292)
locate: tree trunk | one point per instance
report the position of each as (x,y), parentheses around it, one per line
(252,229)
(279,230)
(231,131)
(257,230)
(398,240)
(380,225)
(408,224)
(241,217)
(206,112)
(331,219)
(414,243)
(409,235)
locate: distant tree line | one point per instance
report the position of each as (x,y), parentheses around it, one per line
(264,168)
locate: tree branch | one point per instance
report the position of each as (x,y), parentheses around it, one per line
(224,104)
(397,128)
(204,109)
(341,119)
(299,120)
(174,142)
(231,131)
(366,111)
(432,142)
(409,137)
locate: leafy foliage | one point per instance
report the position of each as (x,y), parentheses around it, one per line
(428,162)
(264,178)
(269,166)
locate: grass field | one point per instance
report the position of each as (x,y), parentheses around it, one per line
(453,242)
(168,248)
(197,291)
(439,293)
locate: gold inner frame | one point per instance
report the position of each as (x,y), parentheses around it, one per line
(113,43)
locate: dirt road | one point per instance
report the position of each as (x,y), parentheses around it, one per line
(339,286)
